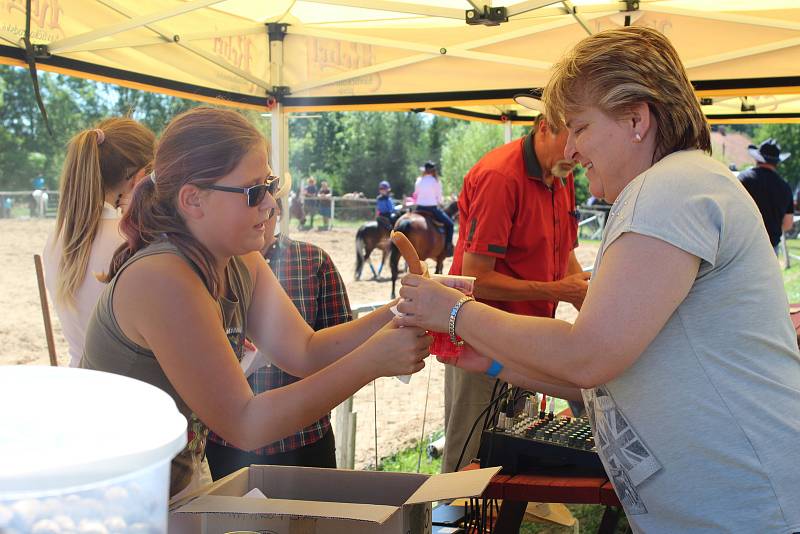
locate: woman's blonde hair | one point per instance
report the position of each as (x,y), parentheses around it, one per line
(98,160)
(616,69)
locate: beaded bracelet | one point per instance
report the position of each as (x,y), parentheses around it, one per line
(451,326)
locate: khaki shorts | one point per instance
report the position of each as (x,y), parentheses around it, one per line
(466,395)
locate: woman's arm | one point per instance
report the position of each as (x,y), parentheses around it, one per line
(161,304)
(278,329)
(628,303)
(470,360)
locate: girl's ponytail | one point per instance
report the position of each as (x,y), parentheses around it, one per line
(98,160)
(79,209)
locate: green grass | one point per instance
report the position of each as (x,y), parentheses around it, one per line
(791,276)
(406,460)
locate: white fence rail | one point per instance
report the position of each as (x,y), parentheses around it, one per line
(325,211)
(39,203)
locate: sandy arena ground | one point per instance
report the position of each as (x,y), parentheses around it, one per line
(400,406)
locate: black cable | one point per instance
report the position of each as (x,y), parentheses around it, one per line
(519,394)
(483,515)
(491,419)
(497,382)
(494,402)
(481,512)
(30,59)
(472,430)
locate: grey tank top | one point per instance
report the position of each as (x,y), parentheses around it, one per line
(108,349)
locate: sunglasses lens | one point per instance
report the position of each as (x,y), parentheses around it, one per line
(256,194)
(272,186)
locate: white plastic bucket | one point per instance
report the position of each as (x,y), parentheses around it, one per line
(84,451)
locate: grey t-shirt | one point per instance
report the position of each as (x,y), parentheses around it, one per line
(702,432)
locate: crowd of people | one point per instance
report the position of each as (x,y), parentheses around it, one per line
(165,266)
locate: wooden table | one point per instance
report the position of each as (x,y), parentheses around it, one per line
(516,491)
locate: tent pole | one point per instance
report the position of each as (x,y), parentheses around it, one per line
(507,131)
(280,155)
(280,120)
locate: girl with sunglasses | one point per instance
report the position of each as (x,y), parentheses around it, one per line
(100,170)
(190,284)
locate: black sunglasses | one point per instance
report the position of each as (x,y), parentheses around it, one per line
(255,194)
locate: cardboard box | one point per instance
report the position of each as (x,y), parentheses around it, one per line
(316,501)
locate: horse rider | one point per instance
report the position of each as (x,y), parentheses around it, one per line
(385,212)
(428,192)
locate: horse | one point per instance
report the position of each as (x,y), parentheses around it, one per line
(370,236)
(452,210)
(425,235)
(296,211)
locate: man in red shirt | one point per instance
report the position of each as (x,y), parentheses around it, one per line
(517,233)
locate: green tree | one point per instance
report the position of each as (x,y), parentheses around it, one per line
(26,148)
(380,146)
(464,145)
(437,135)
(788,136)
(581,186)
(750,130)
(315,148)
(151,109)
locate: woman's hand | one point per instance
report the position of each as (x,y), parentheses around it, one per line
(426,303)
(469,360)
(397,351)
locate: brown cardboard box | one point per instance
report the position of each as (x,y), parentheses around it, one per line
(316,501)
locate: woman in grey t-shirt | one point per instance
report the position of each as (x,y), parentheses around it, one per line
(683,351)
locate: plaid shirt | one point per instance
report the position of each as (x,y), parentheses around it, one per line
(311,280)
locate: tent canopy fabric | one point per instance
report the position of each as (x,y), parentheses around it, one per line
(454,57)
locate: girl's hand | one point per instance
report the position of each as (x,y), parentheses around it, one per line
(426,303)
(394,351)
(469,360)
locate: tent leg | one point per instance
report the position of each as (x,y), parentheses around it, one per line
(280,152)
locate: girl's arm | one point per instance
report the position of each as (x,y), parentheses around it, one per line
(161,304)
(278,329)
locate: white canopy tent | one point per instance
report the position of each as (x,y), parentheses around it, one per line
(464,58)
(454,57)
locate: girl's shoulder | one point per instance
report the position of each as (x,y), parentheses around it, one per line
(255,264)
(159,269)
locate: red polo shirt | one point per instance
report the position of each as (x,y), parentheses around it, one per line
(507,211)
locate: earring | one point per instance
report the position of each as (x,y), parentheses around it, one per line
(637,138)
(119,198)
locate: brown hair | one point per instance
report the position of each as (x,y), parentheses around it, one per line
(98,160)
(199,147)
(616,69)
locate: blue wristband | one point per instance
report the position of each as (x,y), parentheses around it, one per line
(494,369)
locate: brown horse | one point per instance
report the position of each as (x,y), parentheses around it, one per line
(427,238)
(370,236)
(296,211)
